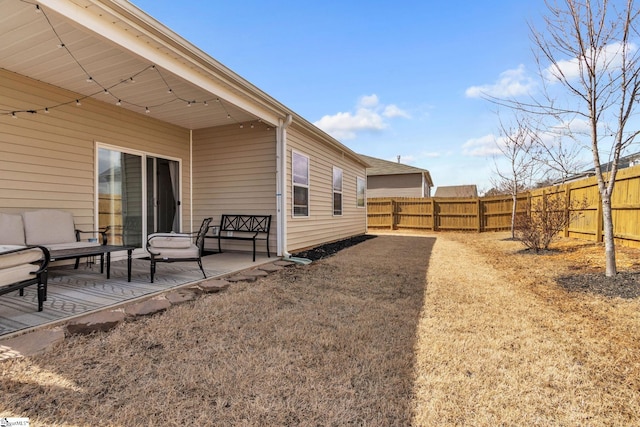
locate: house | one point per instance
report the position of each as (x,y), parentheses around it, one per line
(393,179)
(108,114)
(458,191)
(627,161)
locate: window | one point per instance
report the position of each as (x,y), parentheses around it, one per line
(337,191)
(300,178)
(361,184)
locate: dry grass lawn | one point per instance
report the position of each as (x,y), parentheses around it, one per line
(449,329)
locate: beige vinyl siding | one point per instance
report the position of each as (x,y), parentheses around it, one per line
(47,161)
(321,225)
(402,185)
(235,173)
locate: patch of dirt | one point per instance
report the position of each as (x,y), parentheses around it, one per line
(330,249)
(624,285)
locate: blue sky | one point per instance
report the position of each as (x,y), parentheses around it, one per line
(385,78)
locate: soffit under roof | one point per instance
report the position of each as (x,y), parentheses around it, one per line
(31,48)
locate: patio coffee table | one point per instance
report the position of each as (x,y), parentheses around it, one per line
(62,254)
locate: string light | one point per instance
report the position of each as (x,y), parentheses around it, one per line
(108,90)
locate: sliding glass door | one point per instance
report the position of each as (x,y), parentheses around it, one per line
(138,195)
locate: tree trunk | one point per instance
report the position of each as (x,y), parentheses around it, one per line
(609,243)
(513,215)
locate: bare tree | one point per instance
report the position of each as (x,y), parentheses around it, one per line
(560,155)
(590,70)
(516,144)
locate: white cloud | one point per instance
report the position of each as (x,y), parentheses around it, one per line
(392,111)
(369,101)
(510,83)
(369,116)
(481,147)
(610,58)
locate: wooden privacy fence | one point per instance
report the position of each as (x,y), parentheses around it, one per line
(583,200)
(480,214)
(455,214)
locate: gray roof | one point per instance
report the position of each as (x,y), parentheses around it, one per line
(457,191)
(385,167)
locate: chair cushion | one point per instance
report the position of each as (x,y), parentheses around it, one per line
(72,245)
(11,229)
(176,253)
(8,260)
(17,274)
(168,240)
(48,226)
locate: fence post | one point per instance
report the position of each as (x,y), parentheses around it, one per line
(479,209)
(433,216)
(567,207)
(599,219)
(394,214)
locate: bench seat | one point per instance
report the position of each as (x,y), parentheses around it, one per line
(244,227)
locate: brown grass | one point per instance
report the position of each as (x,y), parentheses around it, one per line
(361,339)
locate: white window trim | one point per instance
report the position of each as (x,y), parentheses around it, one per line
(294,184)
(364,193)
(334,191)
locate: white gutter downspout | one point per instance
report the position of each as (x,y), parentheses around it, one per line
(281,187)
(191,180)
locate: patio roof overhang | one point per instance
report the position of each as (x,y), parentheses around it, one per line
(112,51)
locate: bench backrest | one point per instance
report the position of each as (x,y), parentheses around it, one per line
(251,223)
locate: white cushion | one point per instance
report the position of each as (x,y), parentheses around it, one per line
(8,260)
(176,253)
(17,274)
(48,226)
(169,240)
(72,245)
(11,229)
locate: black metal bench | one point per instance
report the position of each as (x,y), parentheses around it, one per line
(244,227)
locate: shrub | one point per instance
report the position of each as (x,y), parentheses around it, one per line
(547,218)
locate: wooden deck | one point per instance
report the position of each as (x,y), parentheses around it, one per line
(73,293)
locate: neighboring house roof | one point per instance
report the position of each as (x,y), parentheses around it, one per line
(457,191)
(384,167)
(125,42)
(624,162)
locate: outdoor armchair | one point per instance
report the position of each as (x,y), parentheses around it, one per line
(22,266)
(177,247)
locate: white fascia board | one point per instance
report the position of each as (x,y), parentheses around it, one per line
(102,27)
